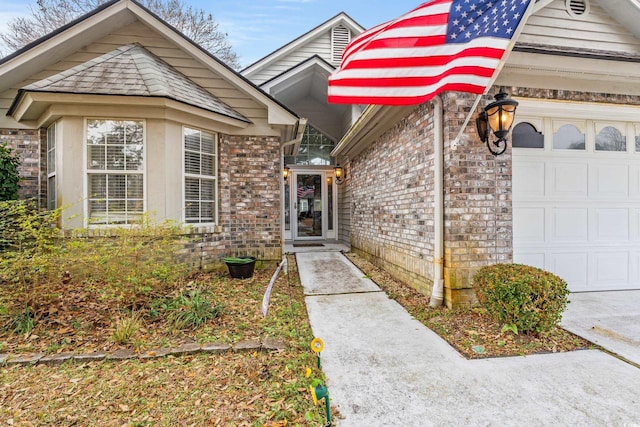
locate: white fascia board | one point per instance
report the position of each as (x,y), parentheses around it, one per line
(315,62)
(81,104)
(577,110)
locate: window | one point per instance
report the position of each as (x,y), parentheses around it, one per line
(52,194)
(115,171)
(637,127)
(610,139)
(315,149)
(525,135)
(200,174)
(569,137)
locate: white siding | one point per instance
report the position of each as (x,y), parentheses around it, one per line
(320,46)
(596,31)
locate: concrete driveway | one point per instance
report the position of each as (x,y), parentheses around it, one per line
(609,319)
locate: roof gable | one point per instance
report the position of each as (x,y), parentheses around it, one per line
(131,70)
(45,54)
(320,38)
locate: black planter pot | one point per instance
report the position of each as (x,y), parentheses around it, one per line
(242,271)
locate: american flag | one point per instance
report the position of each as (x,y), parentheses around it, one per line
(440,45)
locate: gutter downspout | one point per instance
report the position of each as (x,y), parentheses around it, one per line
(437,293)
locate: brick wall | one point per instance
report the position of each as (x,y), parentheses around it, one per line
(27,144)
(391,188)
(477,196)
(391,195)
(249,210)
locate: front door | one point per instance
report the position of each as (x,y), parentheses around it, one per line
(309,206)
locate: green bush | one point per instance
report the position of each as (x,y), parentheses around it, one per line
(523,298)
(9,174)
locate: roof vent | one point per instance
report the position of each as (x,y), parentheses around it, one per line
(578,8)
(340,38)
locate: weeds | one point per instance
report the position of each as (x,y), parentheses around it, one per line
(192,310)
(23,322)
(125,328)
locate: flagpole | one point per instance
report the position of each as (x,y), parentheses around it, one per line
(498,69)
(456,141)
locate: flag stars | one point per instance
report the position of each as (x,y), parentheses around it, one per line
(469,19)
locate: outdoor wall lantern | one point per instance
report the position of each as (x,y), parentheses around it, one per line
(497,117)
(285,173)
(339,172)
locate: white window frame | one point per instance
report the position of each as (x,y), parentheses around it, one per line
(51,166)
(87,171)
(213,178)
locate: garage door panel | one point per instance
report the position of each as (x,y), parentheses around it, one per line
(530,179)
(590,234)
(609,182)
(569,180)
(529,226)
(569,224)
(634,182)
(634,269)
(571,266)
(609,269)
(634,225)
(611,225)
(534,259)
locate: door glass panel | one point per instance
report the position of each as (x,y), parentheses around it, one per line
(330,203)
(309,200)
(287,207)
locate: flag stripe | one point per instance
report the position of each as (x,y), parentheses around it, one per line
(470,79)
(440,45)
(490,44)
(392,99)
(421,11)
(479,56)
(382,81)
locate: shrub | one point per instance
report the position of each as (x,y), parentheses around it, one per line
(523,298)
(9,174)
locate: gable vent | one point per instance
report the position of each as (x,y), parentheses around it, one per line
(578,7)
(340,38)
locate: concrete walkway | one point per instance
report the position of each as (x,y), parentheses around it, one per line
(609,319)
(384,368)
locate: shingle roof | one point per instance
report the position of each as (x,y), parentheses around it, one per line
(131,70)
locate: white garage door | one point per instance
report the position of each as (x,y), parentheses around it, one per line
(577,208)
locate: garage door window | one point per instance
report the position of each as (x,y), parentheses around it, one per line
(611,139)
(525,135)
(637,138)
(569,137)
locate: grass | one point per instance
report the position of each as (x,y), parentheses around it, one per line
(469,330)
(228,389)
